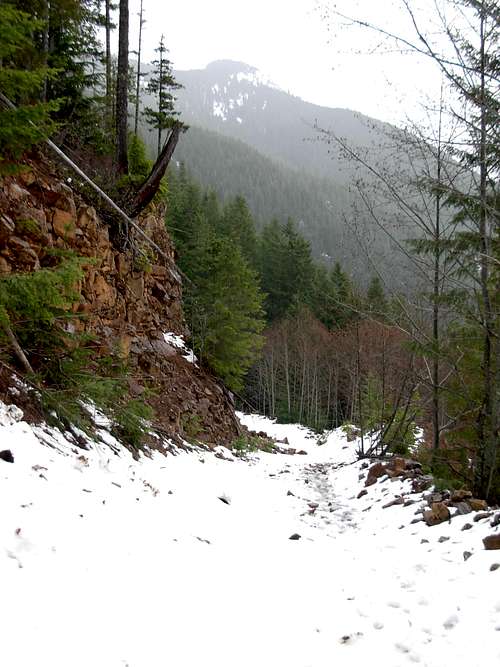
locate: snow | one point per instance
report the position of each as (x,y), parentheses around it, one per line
(110,561)
(179,343)
(219,109)
(256,78)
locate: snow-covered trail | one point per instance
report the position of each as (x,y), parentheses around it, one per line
(106,562)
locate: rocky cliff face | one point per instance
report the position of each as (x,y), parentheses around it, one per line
(128,300)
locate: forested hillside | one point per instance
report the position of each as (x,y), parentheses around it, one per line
(320,166)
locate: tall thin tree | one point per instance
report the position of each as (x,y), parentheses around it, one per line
(122,91)
(139,73)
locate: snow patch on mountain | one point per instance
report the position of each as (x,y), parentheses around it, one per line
(220,110)
(256,78)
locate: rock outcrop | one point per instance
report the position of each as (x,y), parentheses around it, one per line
(128,300)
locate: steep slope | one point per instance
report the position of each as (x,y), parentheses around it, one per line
(130,305)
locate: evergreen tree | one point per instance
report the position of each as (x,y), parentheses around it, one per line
(22,78)
(286,268)
(343,296)
(161,84)
(236,223)
(223,301)
(226,312)
(376,303)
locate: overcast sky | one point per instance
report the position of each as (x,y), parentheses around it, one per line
(299,49)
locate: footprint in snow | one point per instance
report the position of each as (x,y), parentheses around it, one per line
(451,622)
(413,657)
(394,603)
(350,639)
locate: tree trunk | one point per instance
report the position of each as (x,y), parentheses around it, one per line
(150,186)
(435,306)
(46,28)
(138,80)
(109,101)
(122,91)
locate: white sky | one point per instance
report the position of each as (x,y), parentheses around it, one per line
(292,43)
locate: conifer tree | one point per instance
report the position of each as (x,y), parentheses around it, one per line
(22,79)
(142,21)
(376,303)
(161,84)
(286,268)
(227,317)
(237,224)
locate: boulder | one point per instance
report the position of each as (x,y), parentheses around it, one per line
(460,495)
(421,484)
(63,223)
(438,513)
(462,508)
(492,542)
(23,253)
(377,470)
(477,505)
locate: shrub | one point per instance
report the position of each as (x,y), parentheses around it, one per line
(191,425)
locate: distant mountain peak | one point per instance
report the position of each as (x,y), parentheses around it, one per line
(238,71)
(230,66)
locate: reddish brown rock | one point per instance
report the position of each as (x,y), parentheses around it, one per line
(477,505)
(460,495)
(63,223)
(23,254)
(438,513)
(5,267)
(377,470)
(16,193)
(104,293)
(136,286)
(492,541)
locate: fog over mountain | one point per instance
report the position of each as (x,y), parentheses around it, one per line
(249,137)
(234,99)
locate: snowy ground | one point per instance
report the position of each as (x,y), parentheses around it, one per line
(107,562)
